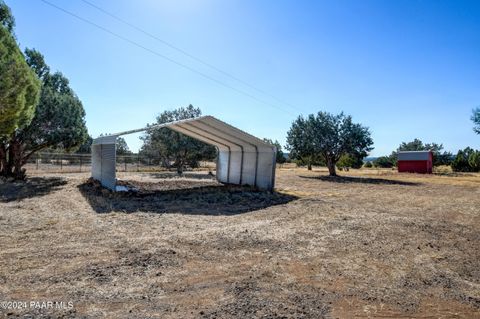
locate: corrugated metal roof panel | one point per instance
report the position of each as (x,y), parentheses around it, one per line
(244,158)
(414,155)
(225,132)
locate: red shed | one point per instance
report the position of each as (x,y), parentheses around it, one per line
(415,162)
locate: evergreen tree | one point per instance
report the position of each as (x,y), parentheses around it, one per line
(171,146)
(329,137)
(58,122)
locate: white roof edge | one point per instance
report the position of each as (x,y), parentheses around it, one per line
(240,131)
(111,138)
(149,127)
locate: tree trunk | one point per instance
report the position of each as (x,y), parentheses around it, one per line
(309,166)
(16,155)
(12,159)
(182,160)
(331,167)
(3,159)
(179,165)
(166,163)
(7,161)
(180,168)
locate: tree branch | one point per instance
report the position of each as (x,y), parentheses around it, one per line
(36,149)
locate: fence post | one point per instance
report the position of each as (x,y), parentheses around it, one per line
(61,163)
(81,163)
(125,162)
(138,162)
(36,159)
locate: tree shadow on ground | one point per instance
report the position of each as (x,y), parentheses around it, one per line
(196,199)
(361,180)
(31,187)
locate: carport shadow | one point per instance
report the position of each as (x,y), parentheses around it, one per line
(32,187)
(198,200)
(361,180)
(203,175)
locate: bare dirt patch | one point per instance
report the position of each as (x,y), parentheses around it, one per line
(181,195)
(368,244)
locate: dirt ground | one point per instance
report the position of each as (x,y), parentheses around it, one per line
(368,244)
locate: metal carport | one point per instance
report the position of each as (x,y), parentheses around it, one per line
(242,159)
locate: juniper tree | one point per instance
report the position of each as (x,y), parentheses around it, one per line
(19,89)
(58,121)
(476,120)
(328,136)
(171,146)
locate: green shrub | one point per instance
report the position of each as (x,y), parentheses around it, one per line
(383,162)
(474,161)
(461,161)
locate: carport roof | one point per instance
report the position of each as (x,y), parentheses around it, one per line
(205,128)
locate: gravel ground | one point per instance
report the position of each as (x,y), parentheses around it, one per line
(373,244)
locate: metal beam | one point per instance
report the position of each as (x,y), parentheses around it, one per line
(244,141)
(223,138)
(214,141)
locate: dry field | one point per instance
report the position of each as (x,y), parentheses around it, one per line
(373,244)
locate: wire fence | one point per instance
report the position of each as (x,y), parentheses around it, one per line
(77,163)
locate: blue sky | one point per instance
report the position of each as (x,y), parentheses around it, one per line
(405,69)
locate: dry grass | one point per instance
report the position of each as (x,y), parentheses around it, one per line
(375,244)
